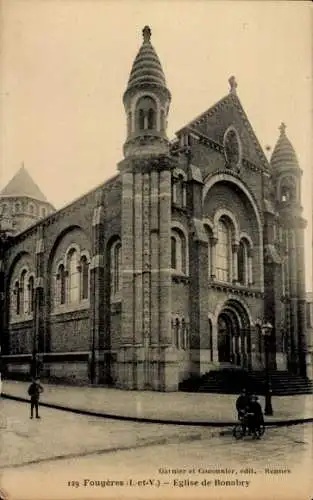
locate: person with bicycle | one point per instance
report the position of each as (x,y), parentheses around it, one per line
(255,416)
(242,405)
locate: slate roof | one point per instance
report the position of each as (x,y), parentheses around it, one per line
(23,185)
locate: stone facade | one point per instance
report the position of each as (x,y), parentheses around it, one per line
(182,263)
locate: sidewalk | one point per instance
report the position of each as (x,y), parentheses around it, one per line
(159,407)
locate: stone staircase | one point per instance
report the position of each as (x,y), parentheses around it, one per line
(231,381)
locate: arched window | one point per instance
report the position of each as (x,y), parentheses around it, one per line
(129,122)
(223,251)
(43,212)
(61,285)
(146,113)
(17,294)
(84,287)
(173,252)
(24,293)
(141,119)
(116,265)
(176,333)
(31,293)
(179,191)
(162,120)
(17,207)
(31,208)
(178,251)
(288,190)
(73,276)
(151,119)
(242,263)
(4,208)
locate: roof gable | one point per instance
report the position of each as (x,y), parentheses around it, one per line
(227,112)
(23,185)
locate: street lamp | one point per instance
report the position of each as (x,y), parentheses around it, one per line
(266,329)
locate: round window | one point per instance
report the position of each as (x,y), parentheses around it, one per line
(232,148)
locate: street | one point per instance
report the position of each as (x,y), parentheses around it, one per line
(65,455)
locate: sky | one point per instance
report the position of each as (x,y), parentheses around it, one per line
(64,65)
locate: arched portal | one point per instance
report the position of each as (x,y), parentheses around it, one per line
(233,330)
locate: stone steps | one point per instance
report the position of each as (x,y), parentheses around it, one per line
(228,381)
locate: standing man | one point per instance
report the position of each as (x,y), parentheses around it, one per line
(34,391)
(242,403)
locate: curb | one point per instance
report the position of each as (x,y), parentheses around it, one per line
(145,420)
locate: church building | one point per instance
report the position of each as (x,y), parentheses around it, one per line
(190,259)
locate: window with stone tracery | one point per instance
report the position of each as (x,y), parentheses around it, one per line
(84,273)
(223,251)
(22,296)
(31,293)
(17,297)
(73,276)
(60,286)
(288,189)
(146,113)
(243,263)
(24,293)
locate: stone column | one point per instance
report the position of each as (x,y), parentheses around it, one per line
(293,298)
(215,341)
(138,264)
(155,252)
(99,368)
(126,355)
(199,304)
(302,340)
(213,257)
(146,276)
(250,266)
(165,257)
(168,375)
(40,340)
(235,247)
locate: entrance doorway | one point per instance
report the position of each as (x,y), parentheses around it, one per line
(224,339)
(233,329)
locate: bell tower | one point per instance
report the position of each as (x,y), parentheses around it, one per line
(146,101)
(145,352)
(286,175)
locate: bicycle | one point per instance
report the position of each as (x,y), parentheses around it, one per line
(241,428)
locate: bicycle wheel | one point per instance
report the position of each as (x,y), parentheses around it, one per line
(238,431)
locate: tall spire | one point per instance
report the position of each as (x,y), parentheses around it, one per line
(147,69)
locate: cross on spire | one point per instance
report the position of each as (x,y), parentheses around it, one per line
(282,128)
(146,33)
(233,84)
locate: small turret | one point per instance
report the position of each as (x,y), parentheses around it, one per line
(285,170)
(146,101)
(22,203)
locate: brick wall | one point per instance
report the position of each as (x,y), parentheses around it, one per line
(70,332)
(21,338)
